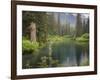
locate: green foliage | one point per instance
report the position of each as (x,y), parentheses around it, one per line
(59,39)
(55,38)
(44,62)
(40,19)
(55,63)
(83,38)
(85,35)
(29,47)
(24,38)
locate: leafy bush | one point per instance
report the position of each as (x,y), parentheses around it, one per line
(86,35)
(29,47)
(83,38)
(44,62)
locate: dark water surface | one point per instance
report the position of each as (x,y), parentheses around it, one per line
(58,55)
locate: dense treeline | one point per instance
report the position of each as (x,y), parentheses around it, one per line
(52,23)
(40,19)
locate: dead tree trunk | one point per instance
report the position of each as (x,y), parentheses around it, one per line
(32,32)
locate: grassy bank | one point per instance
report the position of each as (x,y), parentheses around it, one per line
(32,47)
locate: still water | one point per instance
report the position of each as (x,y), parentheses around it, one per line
(58,55)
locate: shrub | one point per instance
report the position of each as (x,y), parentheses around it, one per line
(83,38)
(29,47)
(86,35)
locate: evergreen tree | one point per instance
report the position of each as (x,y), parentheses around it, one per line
(78,25)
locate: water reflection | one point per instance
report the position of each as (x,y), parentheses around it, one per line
(58,55)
